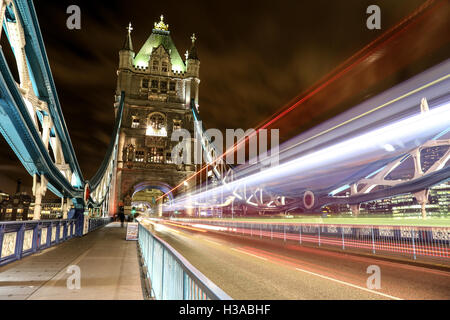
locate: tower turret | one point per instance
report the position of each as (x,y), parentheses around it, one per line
(193,62)
(193,70)
(126,54)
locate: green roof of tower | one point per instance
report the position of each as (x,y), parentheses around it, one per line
(160,36)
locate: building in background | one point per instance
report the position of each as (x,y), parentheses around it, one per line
(404,205)
(20,206)
(3,196)
(17,206)
(50,209)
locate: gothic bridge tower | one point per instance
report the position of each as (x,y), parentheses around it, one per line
(158,86)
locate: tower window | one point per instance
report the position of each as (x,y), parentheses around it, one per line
(172,86)
(140,155)
(176,125)
(155,65)
(155,155)
(145,83)
(163,86)
(135,123)
(164,66)
(156,125)
(154,86)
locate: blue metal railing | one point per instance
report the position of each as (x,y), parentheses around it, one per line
(95,223)
(172,276)
(20,239)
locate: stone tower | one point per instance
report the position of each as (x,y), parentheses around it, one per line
(159,86)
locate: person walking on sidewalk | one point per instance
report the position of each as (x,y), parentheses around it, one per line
(121,216)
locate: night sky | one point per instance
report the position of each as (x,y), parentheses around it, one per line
(255,57)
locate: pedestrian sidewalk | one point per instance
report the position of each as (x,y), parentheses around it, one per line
(108,265)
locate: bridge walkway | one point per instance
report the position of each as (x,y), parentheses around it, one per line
(108,264)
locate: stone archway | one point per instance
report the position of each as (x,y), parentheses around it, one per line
(164,187)
(143,196)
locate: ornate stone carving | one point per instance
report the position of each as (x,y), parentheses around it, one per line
(152,141)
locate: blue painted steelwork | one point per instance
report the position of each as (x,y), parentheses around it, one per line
(204,137)
(42,79)
(111,154)
(172,276)
(19,131)
(111,151)
(17,124)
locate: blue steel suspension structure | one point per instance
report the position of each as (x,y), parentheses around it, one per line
(32,122)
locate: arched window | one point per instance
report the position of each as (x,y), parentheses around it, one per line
(156,125)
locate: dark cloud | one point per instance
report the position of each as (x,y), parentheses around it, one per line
(255,57)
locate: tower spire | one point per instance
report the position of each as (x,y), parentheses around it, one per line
(129,28)
(128,44)
(193,51)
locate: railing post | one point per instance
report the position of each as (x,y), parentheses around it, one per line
(284,231)
(34,245)
(318,227)
(1,239)
(373,242)
(162,274)
(343,241)
(413,235)
(19,241)
(271,232)
(153,259)
(300,234)
(184,285)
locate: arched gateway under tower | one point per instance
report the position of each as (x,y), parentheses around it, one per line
(159,86)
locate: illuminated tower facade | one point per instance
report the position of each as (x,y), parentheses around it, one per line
(159,86)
